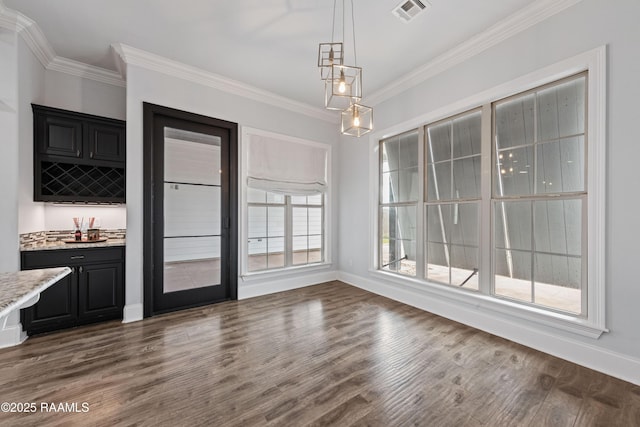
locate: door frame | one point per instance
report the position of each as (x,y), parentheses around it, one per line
(150,113)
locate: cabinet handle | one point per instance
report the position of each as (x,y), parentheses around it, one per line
(77,257)
(91,154)
(80,269)
(78,153)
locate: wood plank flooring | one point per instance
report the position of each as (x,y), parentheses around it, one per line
(329,354)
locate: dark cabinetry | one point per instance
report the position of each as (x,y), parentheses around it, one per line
(93,292)
(78,157)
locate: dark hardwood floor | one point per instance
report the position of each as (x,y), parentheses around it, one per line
(328,354)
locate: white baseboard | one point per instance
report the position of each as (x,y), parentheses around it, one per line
(608,362)
(12,335)
(132,313)
(270,286)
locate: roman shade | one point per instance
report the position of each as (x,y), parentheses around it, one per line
(286,166)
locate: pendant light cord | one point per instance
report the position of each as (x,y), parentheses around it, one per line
(343,22)
(333,21)
(353,29)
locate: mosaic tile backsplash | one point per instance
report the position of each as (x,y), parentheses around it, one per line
(60,235)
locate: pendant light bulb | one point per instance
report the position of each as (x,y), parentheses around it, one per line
(356,117)
(342,85)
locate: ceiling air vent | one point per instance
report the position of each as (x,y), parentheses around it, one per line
(409,9)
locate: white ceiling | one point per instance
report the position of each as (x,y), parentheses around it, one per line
(269,44)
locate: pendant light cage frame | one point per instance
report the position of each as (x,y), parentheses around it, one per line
(329,54)
(343,83)
(363,125)
(343,88)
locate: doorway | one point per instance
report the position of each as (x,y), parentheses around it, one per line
(190,210)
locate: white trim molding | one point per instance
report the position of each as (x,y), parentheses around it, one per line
(132,313)
(42,49)
(585,354)
(140,58)
(519,21)
(595,62)
(11,333)
(266,287)
(79,69)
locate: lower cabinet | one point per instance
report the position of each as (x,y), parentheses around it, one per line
(93,292)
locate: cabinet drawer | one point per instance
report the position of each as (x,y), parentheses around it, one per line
(70,257)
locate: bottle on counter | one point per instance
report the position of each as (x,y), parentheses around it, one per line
(78,234)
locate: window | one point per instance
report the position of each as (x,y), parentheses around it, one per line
(453,200)
(505,200)
(286,192)
(399,192)
(306,229)
(539,196)
(283,230)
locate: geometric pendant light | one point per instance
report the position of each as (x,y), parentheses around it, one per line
(343,83)
(344,86)
(356,120)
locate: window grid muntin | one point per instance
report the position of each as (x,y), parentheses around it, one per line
(537,196)
(451,200)
(308,235)
(288,235)
(488,200)
(583,257)
(534,91)
(396,203)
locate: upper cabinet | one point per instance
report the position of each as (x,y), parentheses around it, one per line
(106,141)
(77,135)
(57,135)
(78,157)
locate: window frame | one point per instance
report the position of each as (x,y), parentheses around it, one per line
(478,201)
(583,195)
(594,324)
(402,204)
(288,206)
(326,206)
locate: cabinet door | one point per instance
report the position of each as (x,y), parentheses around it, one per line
(106,142)
(56,309)
(100,292)
(59,135)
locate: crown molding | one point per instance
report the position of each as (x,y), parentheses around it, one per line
(80,69)
(140,58)
(43,51)
(519,21)
(8,18)
(30,32)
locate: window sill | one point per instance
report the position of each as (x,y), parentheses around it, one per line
(283,272)
(487,303)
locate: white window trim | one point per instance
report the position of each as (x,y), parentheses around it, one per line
(245,134)
(593,61)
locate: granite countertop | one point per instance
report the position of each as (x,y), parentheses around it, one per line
(18,288)
(43,246)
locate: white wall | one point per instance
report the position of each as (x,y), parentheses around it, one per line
(83,95)
(157,88)
(30,90)
(585,26)
(59,217)
(9,173)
